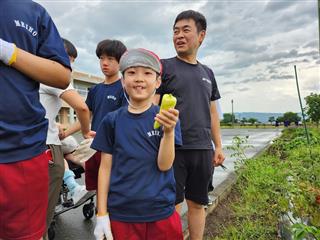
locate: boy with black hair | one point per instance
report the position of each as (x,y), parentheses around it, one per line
(196,89)
(51,99)
(70,49)
(104,98)
(136,187)
(31,51)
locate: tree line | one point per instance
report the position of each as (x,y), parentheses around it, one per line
(312,111)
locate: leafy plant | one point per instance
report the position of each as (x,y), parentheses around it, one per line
(302,231)
(238,148)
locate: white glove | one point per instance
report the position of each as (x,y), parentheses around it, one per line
(8,52)
(83,151)
(103,228)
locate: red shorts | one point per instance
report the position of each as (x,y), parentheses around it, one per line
(166,229)
(92,171)
(24,198)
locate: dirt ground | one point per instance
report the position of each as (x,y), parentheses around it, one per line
(220,217)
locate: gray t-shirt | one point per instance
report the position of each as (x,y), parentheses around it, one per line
(195,87)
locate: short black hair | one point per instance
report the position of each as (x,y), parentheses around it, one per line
(111,48)
(70,48)
(198,18)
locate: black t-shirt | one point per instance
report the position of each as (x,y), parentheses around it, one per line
(195,87)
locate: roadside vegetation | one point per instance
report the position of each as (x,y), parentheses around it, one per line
(280,189)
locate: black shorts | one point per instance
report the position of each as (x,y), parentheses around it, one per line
(192,171)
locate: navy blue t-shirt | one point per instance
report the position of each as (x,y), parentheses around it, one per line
(104,98)
(195,87)
(23,127)
(139,191)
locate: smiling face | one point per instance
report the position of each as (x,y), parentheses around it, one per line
(140,83)
(186,37)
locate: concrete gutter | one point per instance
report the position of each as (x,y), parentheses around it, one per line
(218,194)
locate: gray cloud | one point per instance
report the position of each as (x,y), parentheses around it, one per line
(275,6)
(243,89)
(246,42)
(281,77)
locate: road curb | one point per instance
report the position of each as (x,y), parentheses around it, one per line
(218,194)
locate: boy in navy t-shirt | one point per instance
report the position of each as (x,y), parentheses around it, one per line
(104,98)
(31,51)
(136,186)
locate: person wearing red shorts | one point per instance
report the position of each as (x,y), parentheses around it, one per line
(136,186)
(104,98)
(31,51)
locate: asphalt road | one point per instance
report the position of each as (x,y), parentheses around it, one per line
(72,225)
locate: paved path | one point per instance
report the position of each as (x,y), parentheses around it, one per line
(72,226)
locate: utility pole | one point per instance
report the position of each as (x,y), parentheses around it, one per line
(319,22)
(232,116)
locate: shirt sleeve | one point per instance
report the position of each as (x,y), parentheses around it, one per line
(50,90)
(177,134)
(104,139)
(50,42)
(89,99)
(215,94)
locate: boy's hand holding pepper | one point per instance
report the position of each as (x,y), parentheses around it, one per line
(168,119)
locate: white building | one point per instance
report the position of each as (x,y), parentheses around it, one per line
(81,82)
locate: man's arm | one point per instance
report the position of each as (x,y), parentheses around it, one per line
(166,152)
(73,98)
(40,69)
(218,157)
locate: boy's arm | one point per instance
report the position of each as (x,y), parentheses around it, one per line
(218,156)
(75,127)
(40,69)
(73,98)
(167,145)
(103,227)
(104,183)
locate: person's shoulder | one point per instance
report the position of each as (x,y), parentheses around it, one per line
(206,68)
(168,60)
(27,8)
(36,7)
(169,65)
(117,113)
(95,87)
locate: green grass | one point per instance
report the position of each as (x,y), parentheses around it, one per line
(289,171)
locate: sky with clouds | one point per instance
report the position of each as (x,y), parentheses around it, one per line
(252,46)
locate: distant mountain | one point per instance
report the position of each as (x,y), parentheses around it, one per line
(261,116)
